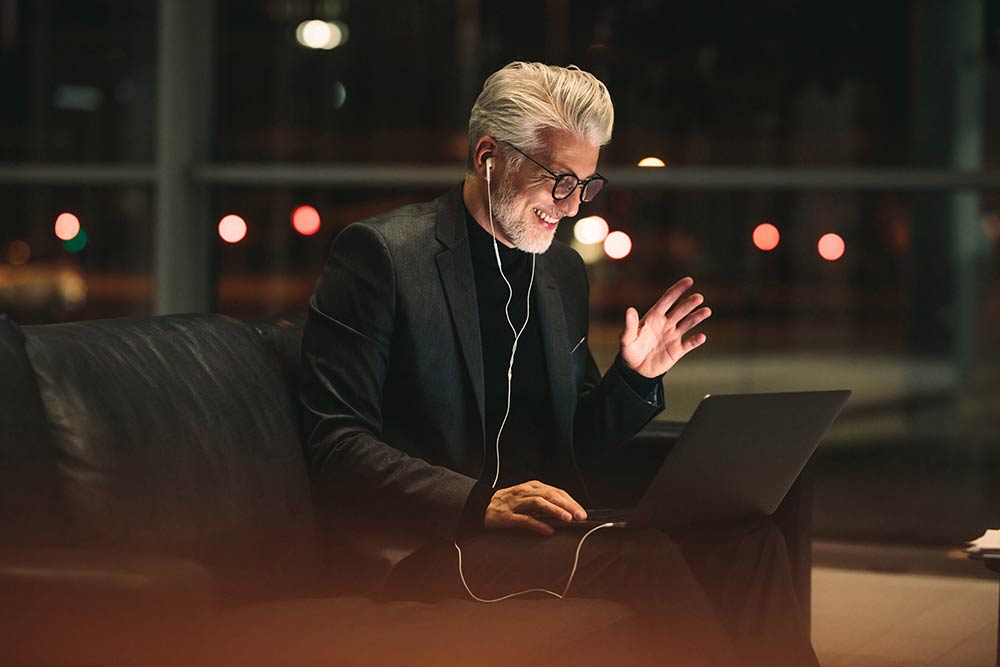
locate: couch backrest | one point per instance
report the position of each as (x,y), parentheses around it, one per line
(32,512)
(178,435)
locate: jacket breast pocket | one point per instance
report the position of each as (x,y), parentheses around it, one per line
(578,361)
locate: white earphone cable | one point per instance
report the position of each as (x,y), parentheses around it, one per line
(510,373)
(517,332)
(565,590)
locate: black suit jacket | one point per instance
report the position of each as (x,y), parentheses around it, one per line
(393,376)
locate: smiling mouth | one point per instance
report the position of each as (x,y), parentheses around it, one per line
(545,218)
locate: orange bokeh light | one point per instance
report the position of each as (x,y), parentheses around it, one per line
(766,236)
(18,252)
(831,247)
(232,228)
(305,220)
(67,226)
(617,245)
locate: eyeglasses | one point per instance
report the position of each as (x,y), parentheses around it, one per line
(566,184)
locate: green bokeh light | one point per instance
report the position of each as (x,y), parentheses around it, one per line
(77,243)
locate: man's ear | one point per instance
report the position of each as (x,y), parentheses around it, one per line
(485,156)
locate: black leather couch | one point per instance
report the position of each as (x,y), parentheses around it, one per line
(155,507)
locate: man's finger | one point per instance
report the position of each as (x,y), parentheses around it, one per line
(631,330)
(693,320)
(538,506)
(692,342)
(674,292)
(564,500)
(575,508)
(684,308)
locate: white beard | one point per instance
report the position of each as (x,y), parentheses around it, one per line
(526,235)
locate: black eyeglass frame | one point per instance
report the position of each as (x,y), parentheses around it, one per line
(582,184)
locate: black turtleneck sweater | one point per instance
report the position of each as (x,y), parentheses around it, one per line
(527,447)
(527,444)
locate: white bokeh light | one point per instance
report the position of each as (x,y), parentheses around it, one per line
(591,229)
(316,34)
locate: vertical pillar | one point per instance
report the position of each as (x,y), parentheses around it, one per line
(971,248)
(951,251)
(185,280)
(949,245)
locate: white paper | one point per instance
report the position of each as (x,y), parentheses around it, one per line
(988,542)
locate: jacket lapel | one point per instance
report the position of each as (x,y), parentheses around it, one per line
(555,340)
(455,268)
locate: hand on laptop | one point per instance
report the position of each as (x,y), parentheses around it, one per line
(652,345)
(517,507)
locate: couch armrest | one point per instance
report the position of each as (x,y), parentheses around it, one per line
(65,575)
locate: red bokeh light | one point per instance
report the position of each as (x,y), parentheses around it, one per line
(305,220)
(67,226)
(766,236)
(232,228)
(831,247)
(617,245)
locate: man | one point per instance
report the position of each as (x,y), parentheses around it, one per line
(428,428)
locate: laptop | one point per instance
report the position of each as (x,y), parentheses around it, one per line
(736,458)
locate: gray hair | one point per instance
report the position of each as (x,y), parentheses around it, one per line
(522,99)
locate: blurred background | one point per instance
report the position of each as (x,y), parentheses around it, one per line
(826,170)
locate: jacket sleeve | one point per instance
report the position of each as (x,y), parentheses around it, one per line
(613,407)
(345,362)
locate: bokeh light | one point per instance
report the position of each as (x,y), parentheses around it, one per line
(18,252)
(232,228)
(77,243)
(313,34)
(67,226)
(344,32)
(617,245)
(766,236)
(72,288)
(592,229)
(339,94)
(831,247)
(651,162)
(991,226)
(316,34)
(306,220)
